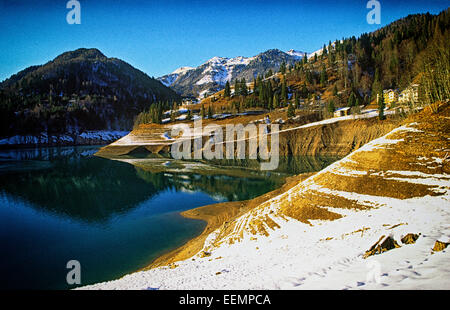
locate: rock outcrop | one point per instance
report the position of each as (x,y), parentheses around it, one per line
(410,238)
(440,246)
(384,244)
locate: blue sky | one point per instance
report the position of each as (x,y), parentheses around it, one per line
(159,36)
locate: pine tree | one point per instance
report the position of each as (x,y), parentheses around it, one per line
(269,93)
(376,86)
(236,87)
(323,77)
(332,58)
(261,92)
(284,91)
(227,91)
(352,100)
(381,106)
(203,113)
(241,105)
(283,68)
(309,77)
(235,106)
(275,101)
(297,101)
(304,90)
(291,110)
(331,106)
(243,86)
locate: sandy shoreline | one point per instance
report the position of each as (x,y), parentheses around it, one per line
(216,215)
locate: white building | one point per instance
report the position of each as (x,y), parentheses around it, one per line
(410,94)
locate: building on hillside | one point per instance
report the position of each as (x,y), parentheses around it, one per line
(342,112)
(189,100)
(410,94)
(390,96)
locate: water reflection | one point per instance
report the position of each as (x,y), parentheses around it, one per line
(113,215)
(72,182)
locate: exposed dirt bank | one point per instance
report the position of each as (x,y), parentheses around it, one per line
(335,139)
(305,137)
(217,215)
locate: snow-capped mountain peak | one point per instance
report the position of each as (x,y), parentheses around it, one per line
(295,53)
(216,60)
(212,75)
(182,70)
(169,79)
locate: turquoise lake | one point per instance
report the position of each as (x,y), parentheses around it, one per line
(112,215)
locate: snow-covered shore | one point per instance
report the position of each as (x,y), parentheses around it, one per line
(298,256)
(315,235)
(85,137)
